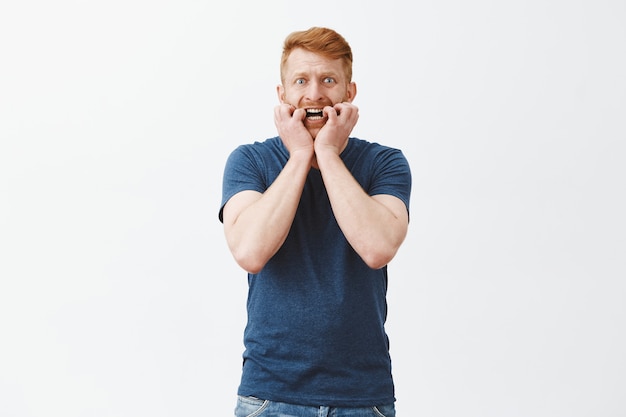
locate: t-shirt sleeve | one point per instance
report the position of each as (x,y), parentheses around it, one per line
(392,176)
(241,172)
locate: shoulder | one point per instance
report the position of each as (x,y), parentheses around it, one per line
(274,144)
(261,152)
(369,150)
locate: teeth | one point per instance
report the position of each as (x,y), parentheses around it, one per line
(314,112)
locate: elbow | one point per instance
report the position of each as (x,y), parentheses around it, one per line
(251,254)
(251,263)
(377,259)
(251,268)
(379,254)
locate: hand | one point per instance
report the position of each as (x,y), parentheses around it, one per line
(291,129)
(342,118)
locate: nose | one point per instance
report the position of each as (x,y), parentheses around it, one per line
(314,91)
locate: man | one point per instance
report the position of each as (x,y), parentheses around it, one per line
(314,216)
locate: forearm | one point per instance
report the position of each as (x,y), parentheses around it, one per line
(256,225)
(375,226)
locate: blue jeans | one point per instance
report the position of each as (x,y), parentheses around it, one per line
(254,407)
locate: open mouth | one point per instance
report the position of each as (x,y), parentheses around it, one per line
(314,114)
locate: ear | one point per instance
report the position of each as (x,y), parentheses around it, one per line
(280,91)
(351,92)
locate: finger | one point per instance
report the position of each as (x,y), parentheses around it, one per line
(298,114)
(283,111)
(330,112)
(345,107)
(277,111)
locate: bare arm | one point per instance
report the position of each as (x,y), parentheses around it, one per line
(256,224)
(376,225)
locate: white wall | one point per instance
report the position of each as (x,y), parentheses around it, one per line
(118,296)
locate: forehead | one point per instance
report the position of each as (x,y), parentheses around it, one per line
(301,61)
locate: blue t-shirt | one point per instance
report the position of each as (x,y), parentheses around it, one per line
(316,312)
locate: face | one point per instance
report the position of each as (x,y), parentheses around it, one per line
(312,82)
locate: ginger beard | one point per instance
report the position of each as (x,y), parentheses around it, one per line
(315,118)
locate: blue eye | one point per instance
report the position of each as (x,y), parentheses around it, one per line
(329,80)
(300,81)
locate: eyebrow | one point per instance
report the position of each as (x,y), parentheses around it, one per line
(303,74)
